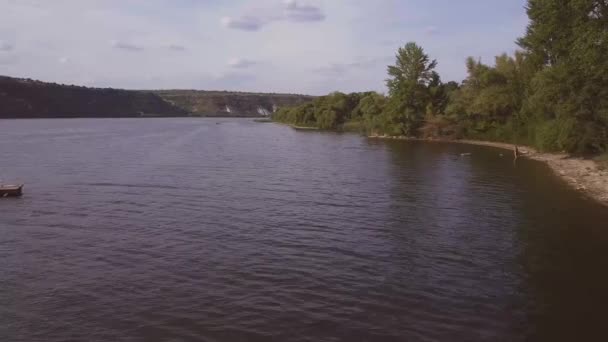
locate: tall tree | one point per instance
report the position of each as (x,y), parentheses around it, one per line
(549,34)
(568,39)
(408,86)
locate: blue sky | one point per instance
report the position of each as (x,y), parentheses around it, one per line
(296,46)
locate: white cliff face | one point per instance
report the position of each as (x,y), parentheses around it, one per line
(263,111)
(228,110)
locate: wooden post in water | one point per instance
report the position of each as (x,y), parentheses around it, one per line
(515,155)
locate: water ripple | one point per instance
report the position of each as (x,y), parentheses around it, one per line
(182,230)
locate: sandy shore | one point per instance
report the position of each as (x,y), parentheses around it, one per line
(583,174)
(304,128)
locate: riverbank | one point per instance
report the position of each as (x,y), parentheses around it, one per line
(584,175)
(304,128)
(296,127)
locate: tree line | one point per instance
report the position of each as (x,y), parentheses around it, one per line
(551,94)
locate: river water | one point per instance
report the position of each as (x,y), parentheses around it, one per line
(230,230)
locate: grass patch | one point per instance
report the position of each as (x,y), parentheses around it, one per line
(353,126)
(305,128)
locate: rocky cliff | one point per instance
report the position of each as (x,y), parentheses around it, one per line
(26,98)
(223,103)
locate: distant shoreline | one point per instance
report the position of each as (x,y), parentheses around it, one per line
(584,175)
(26,98)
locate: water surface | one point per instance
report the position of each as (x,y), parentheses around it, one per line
(230,230)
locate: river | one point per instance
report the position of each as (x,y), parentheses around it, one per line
(230,230)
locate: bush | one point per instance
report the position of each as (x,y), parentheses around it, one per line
(602,161)
(354,126)
(546,136)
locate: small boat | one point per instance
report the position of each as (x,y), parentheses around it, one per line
(11,190)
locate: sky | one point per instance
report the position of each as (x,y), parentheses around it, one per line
(288,46)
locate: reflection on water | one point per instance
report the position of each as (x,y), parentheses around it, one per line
(181,229)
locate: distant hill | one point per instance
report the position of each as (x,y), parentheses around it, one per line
(224,103)
(26,98)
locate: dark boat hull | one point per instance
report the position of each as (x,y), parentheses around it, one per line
(11,191)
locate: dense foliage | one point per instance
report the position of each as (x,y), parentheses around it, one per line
(334,110)
(553,94)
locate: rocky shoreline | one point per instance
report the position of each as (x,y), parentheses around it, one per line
(584,175)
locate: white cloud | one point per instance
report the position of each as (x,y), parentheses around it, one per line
(126,46)
(296,12)
(289,10)
(245,23)
(176,47)
(240,63)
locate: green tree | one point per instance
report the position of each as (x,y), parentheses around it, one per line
(408,85)
(369,110)
(568,41)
